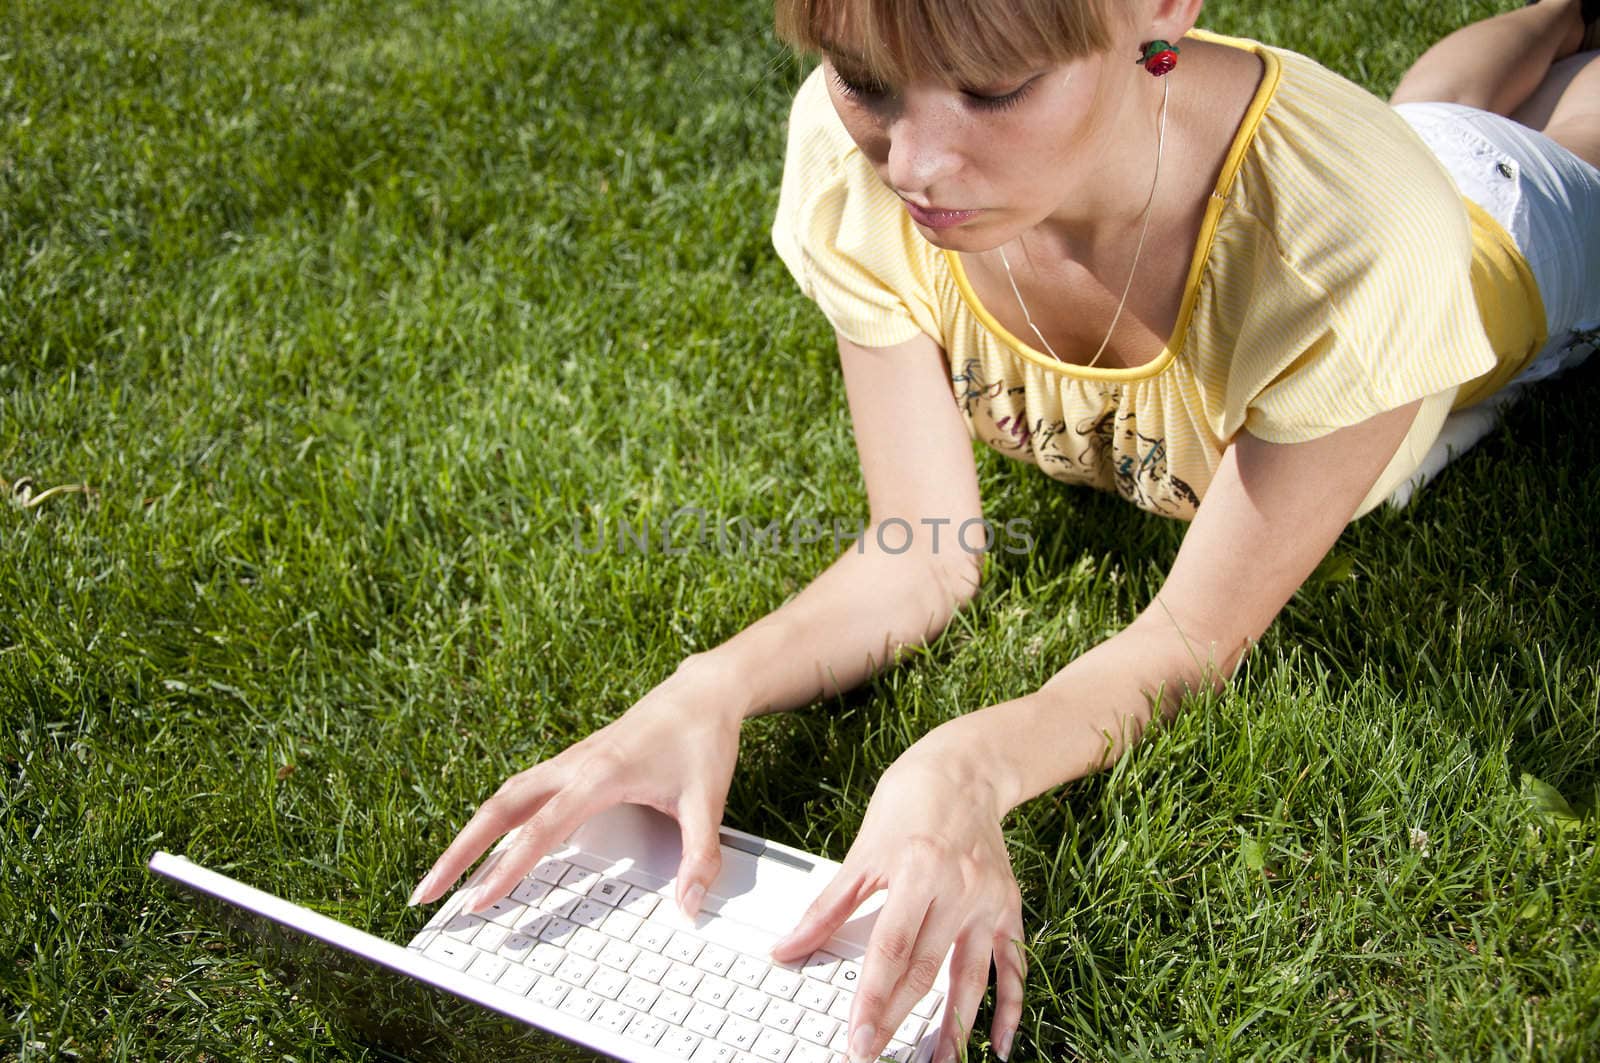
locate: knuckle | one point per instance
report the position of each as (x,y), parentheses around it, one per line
(893,946)
(923,971)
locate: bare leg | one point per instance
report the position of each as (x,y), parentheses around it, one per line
(1496,64)
(1566,106)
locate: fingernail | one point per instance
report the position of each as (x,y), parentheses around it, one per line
(693,897)
(861,1044)
(1002,1047)
(422,887)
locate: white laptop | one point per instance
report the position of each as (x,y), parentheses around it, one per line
(591,948)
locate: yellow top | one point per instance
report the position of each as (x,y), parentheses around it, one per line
(1338,274)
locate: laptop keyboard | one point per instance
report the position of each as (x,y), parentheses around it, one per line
(612,950)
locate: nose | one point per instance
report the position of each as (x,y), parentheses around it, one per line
(923,148)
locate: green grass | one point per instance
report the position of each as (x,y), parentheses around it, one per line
(344,310)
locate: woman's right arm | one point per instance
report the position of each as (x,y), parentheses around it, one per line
(916,459)
(675,749)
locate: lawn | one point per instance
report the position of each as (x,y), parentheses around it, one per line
(330,332)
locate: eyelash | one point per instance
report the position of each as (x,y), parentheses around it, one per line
(869,94)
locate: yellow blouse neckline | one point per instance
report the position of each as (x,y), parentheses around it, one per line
(1202,251)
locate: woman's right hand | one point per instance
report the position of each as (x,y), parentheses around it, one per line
(674,751)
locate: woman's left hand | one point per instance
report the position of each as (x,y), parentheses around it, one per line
(932,838)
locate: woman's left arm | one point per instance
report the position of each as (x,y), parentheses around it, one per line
(932,831)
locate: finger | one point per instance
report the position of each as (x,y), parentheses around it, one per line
(698,819)
(838,900)
(940,927)
(969,978)
(889,951)
(557,818)
(507,807)
(1010,974)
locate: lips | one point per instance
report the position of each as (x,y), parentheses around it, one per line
(936,218)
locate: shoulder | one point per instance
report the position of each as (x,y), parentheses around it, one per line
(1343,181)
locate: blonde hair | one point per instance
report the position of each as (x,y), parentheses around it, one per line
(967,42)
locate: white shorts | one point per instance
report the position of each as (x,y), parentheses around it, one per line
(1548,200)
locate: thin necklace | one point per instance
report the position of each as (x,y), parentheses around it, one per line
(1161,144)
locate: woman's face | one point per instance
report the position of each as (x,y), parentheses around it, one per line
(1011,152)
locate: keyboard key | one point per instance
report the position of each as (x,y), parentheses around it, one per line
(530,891)
(549,992)
(650,967)
(575,970)
(927,1005)
(503,911)
(818,1029)
(609,891)
(706,1020)
(672,1007)
(608,983)
(516,947)
(545,958)
(560,902)
(748,1002)
(454,954)
(558,931)
(490,937)
(550,871)
(645,1029)
(712,1052)
(740,1033)
(822,966)
(781,982)
(682,947)
(580,880)
(639,901)
(747,970)
(590,912)
(486,966)
(814,995)
(808,1053)
(716,959)
(620,924)
(587,943)
(463,927)
(612,1016)
(679,1044)
(840,1008)
(681,979)
(516,979)
(581,1002)
(910,1029)
(652,936)
(533,922)
(618,954)
(774,1046)
(715,991)
(782,1015)
(846,976)
(639,994)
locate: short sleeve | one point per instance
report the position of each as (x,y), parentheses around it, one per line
(844,236)
(1352,271)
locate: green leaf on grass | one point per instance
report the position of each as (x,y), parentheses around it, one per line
(1547,801)
(1255,857)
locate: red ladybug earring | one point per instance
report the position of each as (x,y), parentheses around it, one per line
(1159,57)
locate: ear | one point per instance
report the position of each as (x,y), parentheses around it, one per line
(1171,19)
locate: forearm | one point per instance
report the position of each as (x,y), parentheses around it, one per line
(846,625)
(1089,713)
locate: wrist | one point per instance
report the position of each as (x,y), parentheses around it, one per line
(972,752)
(716,683)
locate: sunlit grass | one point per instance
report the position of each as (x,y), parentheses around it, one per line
(344,313)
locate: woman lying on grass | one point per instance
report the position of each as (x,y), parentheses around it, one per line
(1206,274)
